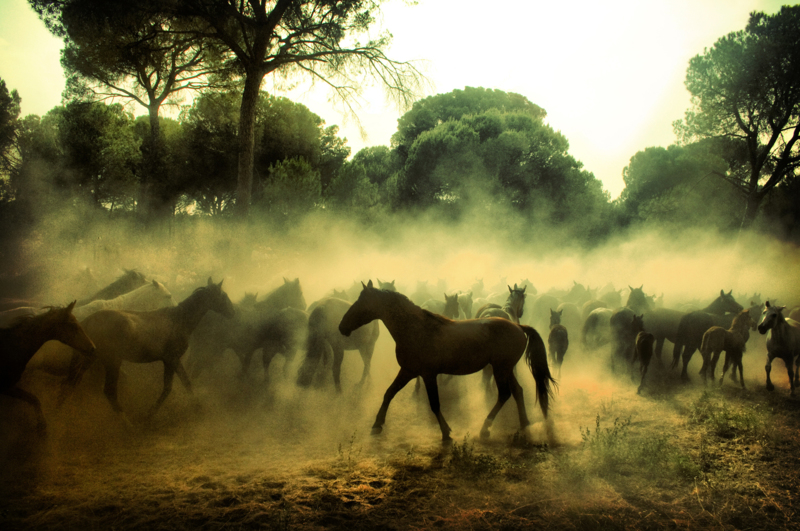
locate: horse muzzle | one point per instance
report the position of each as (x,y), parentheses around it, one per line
(344,331)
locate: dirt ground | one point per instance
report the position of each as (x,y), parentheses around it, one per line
(249,455)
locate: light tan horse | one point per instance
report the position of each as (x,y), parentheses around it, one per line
(428,345)
(732,341)
(26,335)
(147,337)
(783,341)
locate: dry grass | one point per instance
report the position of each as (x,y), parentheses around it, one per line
(681,457)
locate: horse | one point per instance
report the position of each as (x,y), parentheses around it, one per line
(55,358)
(643,352)
(428,345)
(146,337)
(732,341)
(512,310)
(388,286)
(282,333)
(24,337)
(783,341)
(693,325)
(558,340)
(128,281)
(324,337)
(215,334)
(449,307)
(596,331)
(623,336)
(465,304)
(151,296)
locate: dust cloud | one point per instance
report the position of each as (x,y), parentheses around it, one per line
(234,429)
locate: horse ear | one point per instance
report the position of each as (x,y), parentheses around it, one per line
(722,293)
(524,288)
(155,282)
(730,293)
(510,290)
(767,304)
(642,286)
(220,283)
(369,283)
(209,281)
(71,306)
(285,281)
(630,287)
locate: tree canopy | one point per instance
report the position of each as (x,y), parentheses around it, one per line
(746,91)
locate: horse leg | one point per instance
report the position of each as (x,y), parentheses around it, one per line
(432,387)
(676,353)
(738,361)
(487,378)
(687,356)
(400,381)
(181,372)
(267,355)
(519,398)
(658,349)
(110,386)
(790,369)
(644,363)
(768,369)
(503,393)
(338,357)
(366,357)
(16,392)
(169,374)
(714,360)
(725,366)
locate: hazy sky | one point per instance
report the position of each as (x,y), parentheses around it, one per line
(609,74)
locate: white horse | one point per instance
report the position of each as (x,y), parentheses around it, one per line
(151,296)
(783,341)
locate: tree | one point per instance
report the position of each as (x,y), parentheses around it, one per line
(317,38)
(675,185)
(9,128)
(118,49)
(746,91)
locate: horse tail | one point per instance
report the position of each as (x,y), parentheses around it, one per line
(316,346)
(536,358)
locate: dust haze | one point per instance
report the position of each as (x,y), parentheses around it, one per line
(232,430)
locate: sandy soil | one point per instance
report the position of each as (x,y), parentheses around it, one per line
(249,455)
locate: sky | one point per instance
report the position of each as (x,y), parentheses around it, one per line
(609,74)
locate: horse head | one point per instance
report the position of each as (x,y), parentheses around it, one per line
(451,306)
(362,311)
(637,300)
(555,317)
(65,328)
(770,317)
(388,286)
(465,302)
(637,325)
(218,300)
(725,303)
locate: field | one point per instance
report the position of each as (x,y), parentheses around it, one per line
(249,455)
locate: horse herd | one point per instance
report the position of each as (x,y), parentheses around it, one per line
(136,320)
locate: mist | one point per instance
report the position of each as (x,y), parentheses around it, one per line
(234,429)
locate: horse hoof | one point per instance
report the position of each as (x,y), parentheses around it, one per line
(376,430)
(485,434)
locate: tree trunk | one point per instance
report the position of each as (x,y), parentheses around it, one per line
(247,119)
(752,202)
(151,203)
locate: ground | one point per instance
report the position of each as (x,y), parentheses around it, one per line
(249,455)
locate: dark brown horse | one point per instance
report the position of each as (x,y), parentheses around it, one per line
(693,325)
(146,337)
(324,338)
(27,335)
(558,340)
(428,345)
(643,352)
(244,333)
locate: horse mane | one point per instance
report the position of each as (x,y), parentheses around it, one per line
(28,317)
(441,319)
